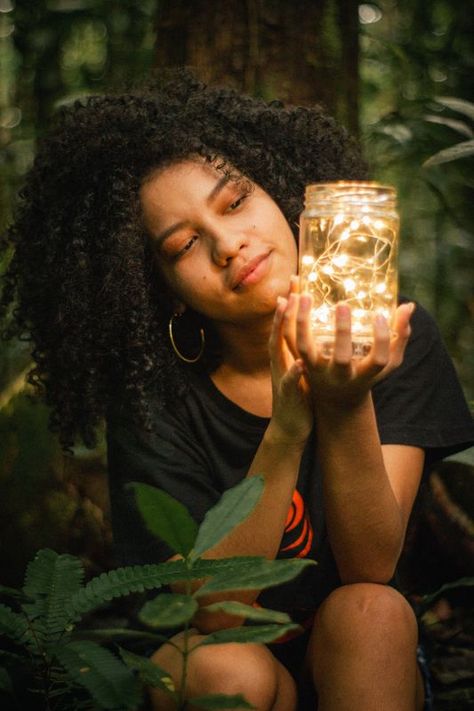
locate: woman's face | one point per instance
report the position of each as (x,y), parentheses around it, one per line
(224,247)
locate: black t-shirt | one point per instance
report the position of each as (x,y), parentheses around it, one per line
(204,444)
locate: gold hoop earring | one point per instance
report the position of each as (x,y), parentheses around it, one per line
(175,347)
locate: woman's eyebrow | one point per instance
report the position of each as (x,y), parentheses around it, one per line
(162,236)
(221,183)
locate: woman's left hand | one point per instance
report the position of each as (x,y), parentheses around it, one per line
(341,378)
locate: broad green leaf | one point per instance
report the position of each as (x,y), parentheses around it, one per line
(221,701)
(460,583)
(264,574)
(168,610)
(166,518)
(460,105)
(460,150)
(239,609)
(233,507)
(261,633)
(150,673)
(109,681)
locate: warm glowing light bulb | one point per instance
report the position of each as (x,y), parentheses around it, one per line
(340,260)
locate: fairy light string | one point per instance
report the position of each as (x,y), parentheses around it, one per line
(350,256)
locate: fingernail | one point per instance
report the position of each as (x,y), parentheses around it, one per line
(305,302)
(411,307)
(343,311)
(380,320)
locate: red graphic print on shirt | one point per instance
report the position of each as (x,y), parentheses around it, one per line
(298,535)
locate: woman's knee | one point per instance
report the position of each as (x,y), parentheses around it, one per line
(366,609)
(247,669)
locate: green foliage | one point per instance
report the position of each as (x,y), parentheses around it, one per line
(219,701)
(418,132)
(169,610)
(110,682)
(166,518)
(149,673)
(427,600)
(234,506)
(78,673)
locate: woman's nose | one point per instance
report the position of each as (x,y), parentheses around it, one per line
(226,244)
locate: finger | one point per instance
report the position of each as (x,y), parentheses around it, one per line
(292,376)
(380,352)
(402,332)
(289,323)
(305,342)
(294,284)
(275,342)
(342,354)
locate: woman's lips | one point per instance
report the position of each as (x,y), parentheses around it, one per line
(254,270)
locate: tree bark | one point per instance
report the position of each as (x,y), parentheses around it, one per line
(300,51)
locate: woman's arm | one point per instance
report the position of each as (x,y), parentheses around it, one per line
(368,489)
(277,459)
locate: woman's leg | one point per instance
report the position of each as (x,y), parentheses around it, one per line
(248,669)
(362,651)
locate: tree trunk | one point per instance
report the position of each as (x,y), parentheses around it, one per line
(300,51)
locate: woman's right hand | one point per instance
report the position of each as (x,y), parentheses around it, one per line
(292,418)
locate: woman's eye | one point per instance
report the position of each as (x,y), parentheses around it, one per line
(236,203)
(186,247)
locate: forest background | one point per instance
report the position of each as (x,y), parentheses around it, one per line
(399,74)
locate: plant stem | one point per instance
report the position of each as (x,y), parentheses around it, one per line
(182,703)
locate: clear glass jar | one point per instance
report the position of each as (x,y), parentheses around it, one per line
(348,253)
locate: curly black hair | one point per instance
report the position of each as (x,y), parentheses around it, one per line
(83,281)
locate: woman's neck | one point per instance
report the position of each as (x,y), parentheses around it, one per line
(243,375)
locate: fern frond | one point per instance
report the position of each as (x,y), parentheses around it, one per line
(51,580)
(13,625)
(109,681)
(124,581)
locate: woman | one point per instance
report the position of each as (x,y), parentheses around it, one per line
(155,249)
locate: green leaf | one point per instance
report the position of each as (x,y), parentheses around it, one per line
(239,609)
(109,681)
(460,105)
(51,581)
(233,507)
(150,674)
(221,701)
(12,592)
(166,518)
(460,583)
(123,581)
(262,634)
(12,624)
(460,150)
(138,578)
(237,565)
(168,610)
(264,574)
